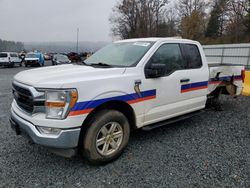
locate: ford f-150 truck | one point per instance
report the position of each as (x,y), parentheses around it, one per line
(138,83)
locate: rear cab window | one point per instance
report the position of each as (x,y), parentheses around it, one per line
(193,56)
(3,55)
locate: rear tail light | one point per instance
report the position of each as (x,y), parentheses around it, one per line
(243,75)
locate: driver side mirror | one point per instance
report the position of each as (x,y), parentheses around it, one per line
(155,70)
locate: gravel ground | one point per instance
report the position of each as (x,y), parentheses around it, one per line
(209,150)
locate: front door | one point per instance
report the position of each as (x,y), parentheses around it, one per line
(182,89)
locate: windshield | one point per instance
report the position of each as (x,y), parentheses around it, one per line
(13,55)
(61,57)
(3,55)
(31,56)
(124,54)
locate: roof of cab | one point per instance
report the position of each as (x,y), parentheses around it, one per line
(8,52)
(156,39)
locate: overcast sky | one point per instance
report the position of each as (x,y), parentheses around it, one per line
(55,20)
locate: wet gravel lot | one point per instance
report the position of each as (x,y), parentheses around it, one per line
(209,150)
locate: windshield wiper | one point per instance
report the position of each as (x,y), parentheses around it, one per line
(83,62)
(100,64)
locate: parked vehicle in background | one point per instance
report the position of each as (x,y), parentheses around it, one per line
(34,59)
(74,57)
(47,57)
(10,59)
(130,84)
(59,59)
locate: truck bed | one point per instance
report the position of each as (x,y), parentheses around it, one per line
(223,74)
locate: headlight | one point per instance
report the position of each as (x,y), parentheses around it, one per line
(59,102)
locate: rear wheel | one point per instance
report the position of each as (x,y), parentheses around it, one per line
(106,137)
(213,100)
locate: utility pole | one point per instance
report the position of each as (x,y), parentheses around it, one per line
(77,40)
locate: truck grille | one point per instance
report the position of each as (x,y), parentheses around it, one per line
(23,98)
(32,62)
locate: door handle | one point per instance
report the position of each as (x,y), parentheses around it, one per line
(184,80)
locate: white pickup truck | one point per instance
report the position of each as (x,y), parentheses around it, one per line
(139,83)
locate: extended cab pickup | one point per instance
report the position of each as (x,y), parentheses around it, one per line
(129,84)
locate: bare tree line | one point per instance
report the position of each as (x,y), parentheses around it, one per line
(10,46)
(219,21)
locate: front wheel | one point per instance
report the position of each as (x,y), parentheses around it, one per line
(106,137)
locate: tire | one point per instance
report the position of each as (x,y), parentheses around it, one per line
(114,146)
(25,65)
(20,65)
(214,101)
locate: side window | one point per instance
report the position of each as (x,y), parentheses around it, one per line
(171,56)
(193,56)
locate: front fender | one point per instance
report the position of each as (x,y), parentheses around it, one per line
(132,98)
(87,106)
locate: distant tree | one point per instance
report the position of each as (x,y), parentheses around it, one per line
(11,46)
(213,24)
(137,18)
(192,26)
(171,22)
(216,20)
(186,7)
(237,10)
(192,15)
(247,18)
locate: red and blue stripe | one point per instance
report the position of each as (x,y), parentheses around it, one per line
(204,85)
(88,106)
(225,78)
(194,86)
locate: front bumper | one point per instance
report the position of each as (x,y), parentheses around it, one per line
(6,63)
(66,139)
(32,63)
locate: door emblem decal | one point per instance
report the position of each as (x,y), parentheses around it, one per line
(137,88)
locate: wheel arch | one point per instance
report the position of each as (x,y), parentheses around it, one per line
(118,105)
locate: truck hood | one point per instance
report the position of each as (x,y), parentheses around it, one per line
(31,59)
(61,76)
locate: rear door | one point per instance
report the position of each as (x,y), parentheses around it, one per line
(4,57)
(184,87)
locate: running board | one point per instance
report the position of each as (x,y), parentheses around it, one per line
(172,120)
